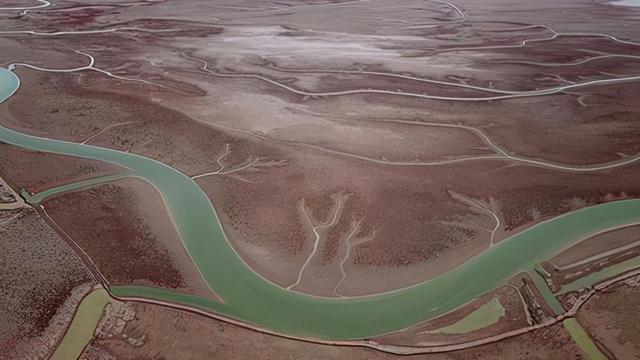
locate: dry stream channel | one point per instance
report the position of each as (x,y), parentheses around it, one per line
(251,299)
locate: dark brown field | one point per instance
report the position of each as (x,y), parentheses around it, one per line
(611,319)
(130,240)
(427,333)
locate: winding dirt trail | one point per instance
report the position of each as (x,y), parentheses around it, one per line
(43,4)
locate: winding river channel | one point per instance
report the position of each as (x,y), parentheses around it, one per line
(250,298)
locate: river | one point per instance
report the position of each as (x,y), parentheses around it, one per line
(250,298)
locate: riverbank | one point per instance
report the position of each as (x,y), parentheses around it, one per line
(301,315)
(249,298)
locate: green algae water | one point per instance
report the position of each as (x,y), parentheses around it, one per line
(582,339)
(250,298)
(82,326)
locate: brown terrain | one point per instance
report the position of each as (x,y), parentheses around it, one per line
(349,148)
(611,319)
(288,158)
(143,331)
(41,283)
(598,245)
(131,239)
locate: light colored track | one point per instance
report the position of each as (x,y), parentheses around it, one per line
(90,67)
(400,76)
(574,63)
(219,161)
(346,257)
(112,126)
(84,32)
(554,35)
(505,94)
(524,94)
(597,167)
(317,240)
(43,4)
(4,222)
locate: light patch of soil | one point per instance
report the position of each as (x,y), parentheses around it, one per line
(284,145)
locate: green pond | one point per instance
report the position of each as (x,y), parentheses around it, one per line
(82,326)
(250,298)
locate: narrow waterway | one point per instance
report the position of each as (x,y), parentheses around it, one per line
(582,339)
(82,326)
(250,298)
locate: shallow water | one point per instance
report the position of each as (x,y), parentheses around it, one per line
(482,317)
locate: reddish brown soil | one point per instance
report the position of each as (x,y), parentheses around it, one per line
(611,319)
(76,113)
(39,273)
(36,171)
(152,325)
(131,238)
(401,223)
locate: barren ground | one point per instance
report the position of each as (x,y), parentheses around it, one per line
(285,155)
(36,171)
(159,332)
(41,283)
(131,239)
(611,318)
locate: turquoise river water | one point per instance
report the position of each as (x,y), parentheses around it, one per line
(250,298)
